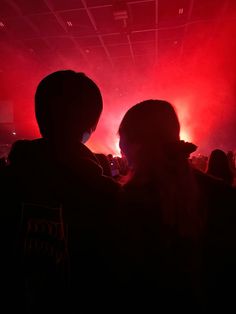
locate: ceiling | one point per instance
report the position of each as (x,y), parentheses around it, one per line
(189,45)
(107,31)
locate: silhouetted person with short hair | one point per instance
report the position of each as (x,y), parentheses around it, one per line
(58,172)
(219,167)
(67,106)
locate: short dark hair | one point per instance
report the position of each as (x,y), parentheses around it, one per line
(67,102)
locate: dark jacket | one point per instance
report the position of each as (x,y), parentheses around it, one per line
(39,180)
(161,270)
(219,243)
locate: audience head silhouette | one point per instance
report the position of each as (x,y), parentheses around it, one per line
(151,127)
(149,137)
(68,105)
(218,166)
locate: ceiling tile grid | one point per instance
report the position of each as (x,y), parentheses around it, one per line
(110,30)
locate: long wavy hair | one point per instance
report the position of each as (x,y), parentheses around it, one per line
(150,140)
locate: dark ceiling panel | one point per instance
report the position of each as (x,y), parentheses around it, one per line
(3,36)
(28,7)
(66,4)
(47,25)
(143,15)
(143,36)
(144,48)
(169,46)
(19,28)
(231,9)
(195,36)
(87,42)
(93,3)
(195,30)
(80,22)
(121,62)
(72,56)
(209,9)
(52,59)
(6,9)
(119,50)
(115,39)
(144,63)
(104,19)
(172,13)
(171,34)
(62,43)
(97,54)
(37,45)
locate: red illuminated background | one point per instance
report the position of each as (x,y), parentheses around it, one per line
(179,50)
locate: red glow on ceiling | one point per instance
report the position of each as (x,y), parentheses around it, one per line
(187,59)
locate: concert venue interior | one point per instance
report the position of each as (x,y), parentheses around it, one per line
(141,218)
(179,50)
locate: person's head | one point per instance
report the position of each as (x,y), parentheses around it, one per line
(68,105)
(218,165)
(150,127)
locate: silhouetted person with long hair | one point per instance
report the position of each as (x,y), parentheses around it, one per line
(59,171)
(166,206)
(219,167)
(161,200)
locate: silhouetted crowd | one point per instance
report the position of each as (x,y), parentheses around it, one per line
(153,231)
